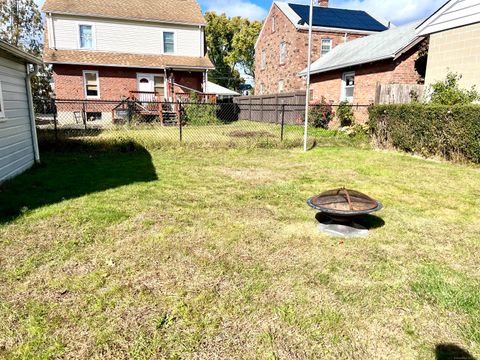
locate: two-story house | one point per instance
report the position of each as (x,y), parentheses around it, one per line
(281,50)
(111,49)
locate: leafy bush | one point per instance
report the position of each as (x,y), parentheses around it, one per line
(321,113)
(201,114)
(452,132)
(345,114)
(448,92)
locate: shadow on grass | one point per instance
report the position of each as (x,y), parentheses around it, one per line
(75,171)
(451,352)
(367,221)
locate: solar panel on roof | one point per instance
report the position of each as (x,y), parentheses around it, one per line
(337,18)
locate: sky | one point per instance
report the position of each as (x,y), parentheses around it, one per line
(399,12)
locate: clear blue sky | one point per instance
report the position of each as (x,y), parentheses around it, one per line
(397,11)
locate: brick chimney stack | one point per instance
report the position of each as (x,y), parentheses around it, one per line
(323,3)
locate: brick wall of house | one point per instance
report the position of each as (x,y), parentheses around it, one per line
(115,82)
(400,71)
(296,53)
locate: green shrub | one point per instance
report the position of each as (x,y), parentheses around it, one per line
(196,113)
(452,132)
(345,114)
(448,92)
(321,113)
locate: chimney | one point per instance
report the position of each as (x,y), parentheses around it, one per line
(323,3)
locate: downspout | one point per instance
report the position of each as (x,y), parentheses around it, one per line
(33,128)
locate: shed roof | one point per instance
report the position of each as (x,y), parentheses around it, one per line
(331,17)
(213,88)
(174,11)
(385,45)
(18,53)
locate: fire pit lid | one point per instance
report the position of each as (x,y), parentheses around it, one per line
(344,202)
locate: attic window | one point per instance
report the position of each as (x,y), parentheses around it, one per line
(86,37)
(168,42)
(264,59)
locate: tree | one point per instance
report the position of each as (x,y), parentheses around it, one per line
(448,92)
(230,43)
(22,26)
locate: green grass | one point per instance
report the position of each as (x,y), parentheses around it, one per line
(213,253)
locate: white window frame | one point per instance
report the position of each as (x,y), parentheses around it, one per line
(263,60)
(174,42)
(262,88)
(94,36)
(274,24)
(321,46)
(344,85)
(2,105)
(85,84)
(283,52)
(281,86)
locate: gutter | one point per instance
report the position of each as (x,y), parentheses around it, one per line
(342,66)
(161,67)
(33,127)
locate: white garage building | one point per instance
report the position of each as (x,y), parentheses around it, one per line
(18,138)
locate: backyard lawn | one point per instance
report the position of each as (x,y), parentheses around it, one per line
(214,254)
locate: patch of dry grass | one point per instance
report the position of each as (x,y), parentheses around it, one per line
(216,255)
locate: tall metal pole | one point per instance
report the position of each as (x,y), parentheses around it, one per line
(309,65)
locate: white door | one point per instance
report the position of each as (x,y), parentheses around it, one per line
(146,87)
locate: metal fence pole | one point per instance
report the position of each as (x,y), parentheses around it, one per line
(84,115)
(130,112)
(180,122)
(55,125)
(283,122)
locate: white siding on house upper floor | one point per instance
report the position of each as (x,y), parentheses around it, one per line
(456,13)
(125,36)
(16,146)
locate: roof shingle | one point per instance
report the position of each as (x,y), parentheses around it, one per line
(176,11)
(99,58)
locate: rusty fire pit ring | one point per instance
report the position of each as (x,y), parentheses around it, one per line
(344,205)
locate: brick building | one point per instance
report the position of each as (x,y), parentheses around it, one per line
(282,46)
(352,71)
(108,50)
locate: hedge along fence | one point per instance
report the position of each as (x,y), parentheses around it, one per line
(451,132)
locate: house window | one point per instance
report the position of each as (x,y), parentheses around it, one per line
(91,83)
(274,24)
(168,42)
(86,37)
(281,86)
(2,108)
(283,47)
(326,46)
(262,88)
(264,59)
(348,86)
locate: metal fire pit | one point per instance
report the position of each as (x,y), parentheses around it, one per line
(343,205)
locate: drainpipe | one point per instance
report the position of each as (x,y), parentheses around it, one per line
(345,37)
(33,128)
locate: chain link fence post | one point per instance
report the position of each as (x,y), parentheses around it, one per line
(180,121)
(55,120)
(283,123)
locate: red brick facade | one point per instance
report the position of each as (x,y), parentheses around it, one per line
(115,82)
(400,71)
(296,52)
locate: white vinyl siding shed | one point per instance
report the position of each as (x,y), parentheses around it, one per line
(18,142)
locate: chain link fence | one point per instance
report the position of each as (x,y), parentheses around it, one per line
(159,124)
